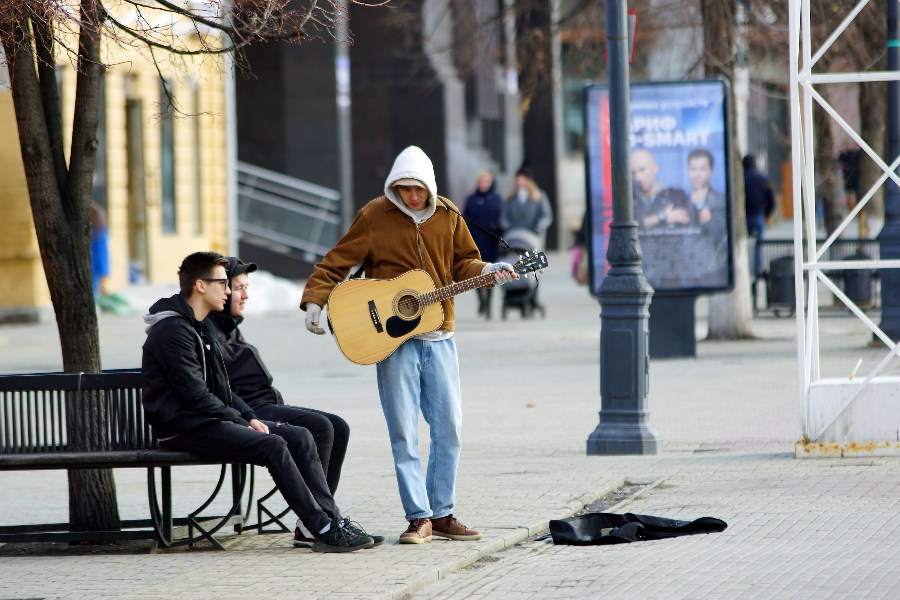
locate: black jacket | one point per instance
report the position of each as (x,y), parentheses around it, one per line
(184,382)
(249,377)
(758,194)
(484,209)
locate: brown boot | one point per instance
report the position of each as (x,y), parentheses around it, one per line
(449,527)
(418,532)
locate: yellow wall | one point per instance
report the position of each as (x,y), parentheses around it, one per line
(130,76)
(23,289)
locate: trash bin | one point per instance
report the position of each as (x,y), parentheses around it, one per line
(858,282)
(781,282)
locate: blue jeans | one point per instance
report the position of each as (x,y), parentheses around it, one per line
(756,226)
(423,375)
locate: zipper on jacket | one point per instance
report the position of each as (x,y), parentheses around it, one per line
(217,352)
(202,354)
(419,245)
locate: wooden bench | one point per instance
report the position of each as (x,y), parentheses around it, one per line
(33,414)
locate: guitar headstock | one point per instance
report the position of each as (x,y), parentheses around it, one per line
(532,261)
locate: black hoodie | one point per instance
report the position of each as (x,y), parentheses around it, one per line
(249,377)
(184,381)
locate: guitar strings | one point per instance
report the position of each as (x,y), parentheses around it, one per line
(410,304)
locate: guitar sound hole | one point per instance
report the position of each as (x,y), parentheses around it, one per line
(407,306)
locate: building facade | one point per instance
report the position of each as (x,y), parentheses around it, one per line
(160,175)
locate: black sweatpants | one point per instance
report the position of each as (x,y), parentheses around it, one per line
(330,432)
(288,452)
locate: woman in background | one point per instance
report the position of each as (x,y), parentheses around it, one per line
(483,208)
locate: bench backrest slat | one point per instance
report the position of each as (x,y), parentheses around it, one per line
(34,409)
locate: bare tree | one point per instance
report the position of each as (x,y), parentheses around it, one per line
(37,35)
(860,48)
(730,316)
(869,36)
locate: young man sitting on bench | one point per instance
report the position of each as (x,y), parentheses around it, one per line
(190,405)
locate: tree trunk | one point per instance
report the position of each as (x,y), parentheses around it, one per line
(730,313)
(60,205)
(872,26)
(828,190)
(872,108)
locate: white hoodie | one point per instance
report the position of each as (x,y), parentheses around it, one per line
(412,163)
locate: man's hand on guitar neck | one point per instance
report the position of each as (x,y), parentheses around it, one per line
(503,272)
(313,314)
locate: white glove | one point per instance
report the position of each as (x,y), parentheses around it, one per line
(313,314)
(503,272)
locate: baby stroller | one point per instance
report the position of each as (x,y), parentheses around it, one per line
(521,293)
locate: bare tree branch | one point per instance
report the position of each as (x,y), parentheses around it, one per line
(50,97)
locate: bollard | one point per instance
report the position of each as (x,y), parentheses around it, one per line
(858,282)
(781,282)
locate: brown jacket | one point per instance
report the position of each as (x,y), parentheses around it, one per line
(390,242)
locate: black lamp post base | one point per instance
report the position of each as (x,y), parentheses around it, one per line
(622,439)
(673,326)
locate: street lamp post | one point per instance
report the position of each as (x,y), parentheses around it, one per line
(625,294)
(889,237)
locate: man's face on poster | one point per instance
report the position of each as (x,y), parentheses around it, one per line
(699,172)
(644,170)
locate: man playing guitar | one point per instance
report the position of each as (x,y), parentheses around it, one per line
(408,228)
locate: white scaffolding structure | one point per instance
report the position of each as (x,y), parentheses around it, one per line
(836,414)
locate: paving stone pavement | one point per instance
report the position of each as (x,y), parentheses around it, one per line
(727,421)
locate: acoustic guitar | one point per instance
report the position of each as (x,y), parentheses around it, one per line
(370,318)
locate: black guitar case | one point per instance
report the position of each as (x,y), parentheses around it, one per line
(597,529)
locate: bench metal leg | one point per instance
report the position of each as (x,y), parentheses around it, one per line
(196,526)
(167,500)
(238,479)
(264,516)
(162,519)
(272,518)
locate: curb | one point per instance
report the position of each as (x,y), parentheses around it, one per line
(503,542)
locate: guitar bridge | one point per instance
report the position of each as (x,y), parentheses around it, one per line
(376,320)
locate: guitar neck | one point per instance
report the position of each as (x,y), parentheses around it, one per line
(454,289)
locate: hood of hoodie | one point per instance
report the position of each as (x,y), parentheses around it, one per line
(412,163)
(165,308)
(224,322)
(234,268)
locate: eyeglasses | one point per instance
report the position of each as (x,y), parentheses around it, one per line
(224,282)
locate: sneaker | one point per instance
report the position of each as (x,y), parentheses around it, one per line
(341,539)
(302,537)
(418,532)
(378,539)
(449,527)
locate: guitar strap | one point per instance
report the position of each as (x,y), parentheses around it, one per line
(490,234)
(503,243)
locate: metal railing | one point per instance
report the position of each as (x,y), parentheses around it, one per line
(278,209)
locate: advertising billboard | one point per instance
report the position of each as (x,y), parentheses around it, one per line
(681,183)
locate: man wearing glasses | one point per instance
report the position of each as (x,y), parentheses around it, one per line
(250,379)
(190,405)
